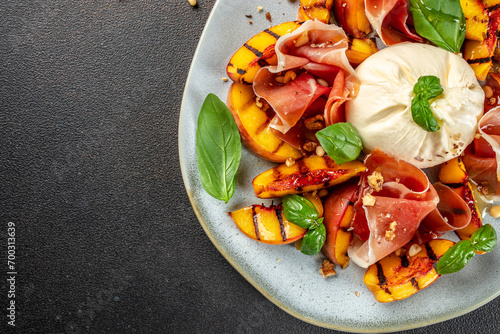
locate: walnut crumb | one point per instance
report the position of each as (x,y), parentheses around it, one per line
(356,293)
(368,200)
(326,269)
(309,146)
(290,162)
(376,180)
(259,8)
(390,233)
(225,79)
(414,250)
(477,135)
(268,16)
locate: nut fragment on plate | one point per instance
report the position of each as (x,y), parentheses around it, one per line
(326,269)
(192,2)
(375,181)
(368,200)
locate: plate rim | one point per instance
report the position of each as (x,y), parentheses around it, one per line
(236,265)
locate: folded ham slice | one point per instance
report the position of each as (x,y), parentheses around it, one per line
(482,166)
(322,56)
(400,204)
(390,19)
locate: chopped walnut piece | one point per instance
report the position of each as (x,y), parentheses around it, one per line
(309,146)
(289,162)
(314,123)
(368,200)
(376,180)
(414,250)
(356,293)
(268,16)
(326,269)
(483,188)
(390,233)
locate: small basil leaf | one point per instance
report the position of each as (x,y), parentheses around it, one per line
(300,211)
(313,240)
(455,258)
(440,21)
(316,223)
(484,238)
(427,87)
(341,142)
(218,148)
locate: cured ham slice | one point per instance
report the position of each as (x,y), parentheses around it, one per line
(482,159)
(390,19)
(322,56)
(397,208)
(452,213)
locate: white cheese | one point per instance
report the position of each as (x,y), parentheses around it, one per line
(381,112)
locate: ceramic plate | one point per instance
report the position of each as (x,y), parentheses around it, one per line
(284,275)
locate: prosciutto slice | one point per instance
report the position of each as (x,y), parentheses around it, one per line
(405,198)
(483,167)
(390,19)
(323,56)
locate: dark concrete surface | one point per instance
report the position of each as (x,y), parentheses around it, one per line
(105,238)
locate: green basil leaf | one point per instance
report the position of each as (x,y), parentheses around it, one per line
(455,258)
(313,240)
(341,142)
(440,21)
(427,87)
(300,211)
(484,238)
(218,148)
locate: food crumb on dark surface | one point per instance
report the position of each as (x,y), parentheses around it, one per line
(268,16)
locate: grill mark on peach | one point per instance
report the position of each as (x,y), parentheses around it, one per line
(255,223)
(479,60)
(262,128)
(299,181)
(404,261)
(414,283)
(278,212)
(278,147)
(254,50)
(241,71)
(430,252)
(381,278)
(272,33)
(455,185)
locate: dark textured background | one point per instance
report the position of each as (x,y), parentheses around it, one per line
(107,241)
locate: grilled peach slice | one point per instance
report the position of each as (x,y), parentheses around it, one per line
(350,15)
(360,49)
(308,174)
(476,19)
(315,9)
(339,211)
(253,121)
(257,52)
(398,277)
(479,53)
(267,224)
(453,174)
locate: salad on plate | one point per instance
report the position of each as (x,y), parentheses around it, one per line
(383,119)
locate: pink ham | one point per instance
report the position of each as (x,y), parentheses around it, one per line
(406,198)
(390,19)
(484,169)
(323,56)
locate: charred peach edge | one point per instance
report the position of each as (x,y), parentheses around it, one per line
(305,175)
(253,122)
(266,225)
(398,277)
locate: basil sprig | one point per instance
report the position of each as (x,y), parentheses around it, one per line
(218,148)
(341,142)
(427,87)
(302,212)
(483,239)
(440,21)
